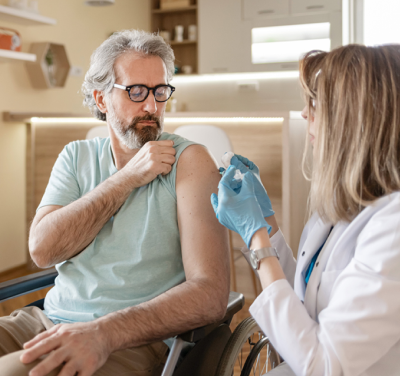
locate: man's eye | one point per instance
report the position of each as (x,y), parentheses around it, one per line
(137,91)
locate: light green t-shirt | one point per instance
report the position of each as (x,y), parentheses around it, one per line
(137,254)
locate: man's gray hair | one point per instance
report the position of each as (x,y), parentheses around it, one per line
(101,75)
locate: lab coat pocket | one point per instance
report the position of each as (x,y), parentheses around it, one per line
(328,279)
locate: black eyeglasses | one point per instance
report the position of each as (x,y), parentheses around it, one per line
(139,93)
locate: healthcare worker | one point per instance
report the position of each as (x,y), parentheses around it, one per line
(337,312)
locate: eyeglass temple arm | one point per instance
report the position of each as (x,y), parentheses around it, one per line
(120,86)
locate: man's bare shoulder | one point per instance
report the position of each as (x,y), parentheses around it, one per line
(197,163)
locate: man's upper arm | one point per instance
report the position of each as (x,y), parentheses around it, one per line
(204,241)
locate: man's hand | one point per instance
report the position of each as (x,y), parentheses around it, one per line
(154,158)
(80,347)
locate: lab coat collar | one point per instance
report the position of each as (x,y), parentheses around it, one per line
(332,243)
(317,234)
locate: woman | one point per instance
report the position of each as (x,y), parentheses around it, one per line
(337,312)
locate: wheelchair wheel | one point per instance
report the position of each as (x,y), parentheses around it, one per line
(248,352)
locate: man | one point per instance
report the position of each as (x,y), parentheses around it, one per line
(128,224)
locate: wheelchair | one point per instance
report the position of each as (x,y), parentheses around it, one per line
(211,350)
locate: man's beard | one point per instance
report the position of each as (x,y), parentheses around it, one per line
(129,134)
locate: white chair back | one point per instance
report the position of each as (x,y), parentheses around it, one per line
(99,131)
(212,137)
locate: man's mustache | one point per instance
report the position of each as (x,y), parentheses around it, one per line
(147,117)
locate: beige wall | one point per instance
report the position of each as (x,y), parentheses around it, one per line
(81,29)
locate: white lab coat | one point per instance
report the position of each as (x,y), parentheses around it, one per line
(349,323)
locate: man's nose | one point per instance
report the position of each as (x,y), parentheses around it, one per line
(150,104)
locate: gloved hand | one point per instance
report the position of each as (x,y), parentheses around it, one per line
(262,197)
(238,211)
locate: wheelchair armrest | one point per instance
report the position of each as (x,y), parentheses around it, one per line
(25,285)
(235,304)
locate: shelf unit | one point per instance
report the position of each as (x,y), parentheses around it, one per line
(22,17)
(44,75)
(176,10)
(186,52)
(10,56)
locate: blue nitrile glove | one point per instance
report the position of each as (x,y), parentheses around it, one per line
(240,212)
(236,185)
(262,197)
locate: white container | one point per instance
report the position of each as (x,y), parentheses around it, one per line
(166,35)
(192,32)
(187,69)
(179,33)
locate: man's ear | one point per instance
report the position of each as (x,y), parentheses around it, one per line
(99,97)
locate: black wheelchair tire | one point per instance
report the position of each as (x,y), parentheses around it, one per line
(232,351)
(261,344)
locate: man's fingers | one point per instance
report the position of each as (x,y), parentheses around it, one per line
(52,361)
(166,169)
(39,337)
(162,143)
(170,159)
(41,348)
(165,150)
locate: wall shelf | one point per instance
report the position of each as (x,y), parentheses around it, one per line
(52,66)
(186,41)
(22,17)
(8,56)
(166,20)
(176,10)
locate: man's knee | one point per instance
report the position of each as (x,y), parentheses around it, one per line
(10,365)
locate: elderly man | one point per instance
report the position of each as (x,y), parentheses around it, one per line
(128,224)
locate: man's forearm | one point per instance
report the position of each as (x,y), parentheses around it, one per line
(187,306)
(65,232)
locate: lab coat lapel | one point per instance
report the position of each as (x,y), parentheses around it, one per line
(311,293)
(316,237)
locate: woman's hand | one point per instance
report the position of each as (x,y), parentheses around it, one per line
(238,209)
(245,165)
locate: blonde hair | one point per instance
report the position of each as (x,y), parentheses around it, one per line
(357,146)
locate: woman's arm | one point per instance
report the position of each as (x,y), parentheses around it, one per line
(270,268)
(359,326)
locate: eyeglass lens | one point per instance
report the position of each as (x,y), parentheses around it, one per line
(138,93)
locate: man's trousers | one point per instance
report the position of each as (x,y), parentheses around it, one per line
(24,324)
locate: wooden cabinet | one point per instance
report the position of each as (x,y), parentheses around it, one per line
(253,9)
(165,20)
(220,37)
(226,30)
(312,6)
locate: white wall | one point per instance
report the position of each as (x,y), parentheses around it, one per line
(273,95)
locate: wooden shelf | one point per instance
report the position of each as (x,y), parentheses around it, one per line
(186,41)
(7,56)
(176,10)
(22,17)
(43,74)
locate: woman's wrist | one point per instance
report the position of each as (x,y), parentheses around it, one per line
(260,239)
(273,223)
